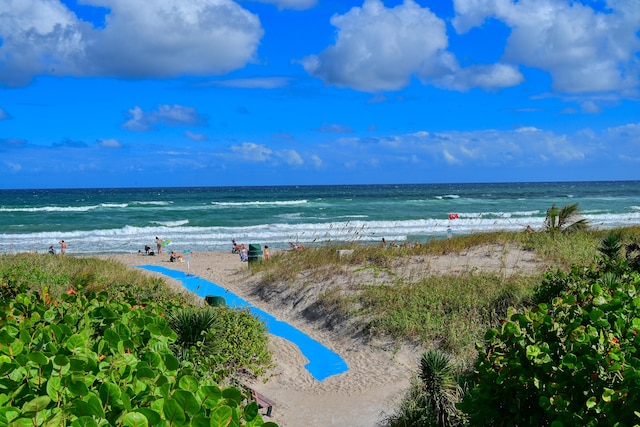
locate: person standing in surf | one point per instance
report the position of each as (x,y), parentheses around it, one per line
(159,244)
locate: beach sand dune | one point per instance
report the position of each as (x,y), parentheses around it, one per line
(379,372)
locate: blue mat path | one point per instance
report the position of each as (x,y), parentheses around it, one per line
(323,362)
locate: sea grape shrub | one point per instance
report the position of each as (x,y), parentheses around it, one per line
(573,362)
(91,361)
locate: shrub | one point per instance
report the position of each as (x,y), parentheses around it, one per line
(572,362)
(90,361)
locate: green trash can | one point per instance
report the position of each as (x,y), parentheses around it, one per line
(215,301)
(255,252)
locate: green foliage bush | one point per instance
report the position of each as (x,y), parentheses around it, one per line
(92,361)
(71,356)
(572,362)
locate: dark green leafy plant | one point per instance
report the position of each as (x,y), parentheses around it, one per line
(88,360)
(568,363)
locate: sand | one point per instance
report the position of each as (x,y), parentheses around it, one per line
(379,372)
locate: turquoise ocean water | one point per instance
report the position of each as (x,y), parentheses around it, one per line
(207,218)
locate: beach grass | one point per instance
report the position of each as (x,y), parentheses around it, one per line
(58,274)
(447,311)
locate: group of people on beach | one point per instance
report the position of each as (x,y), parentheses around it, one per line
(63,248)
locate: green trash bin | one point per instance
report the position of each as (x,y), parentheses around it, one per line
(255,252)
(215,301)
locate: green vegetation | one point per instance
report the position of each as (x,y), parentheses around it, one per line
(570,360)
(557,346)
(87,342)
(565,219)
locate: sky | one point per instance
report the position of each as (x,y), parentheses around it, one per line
(163,93)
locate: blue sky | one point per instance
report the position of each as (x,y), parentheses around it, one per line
(133,93)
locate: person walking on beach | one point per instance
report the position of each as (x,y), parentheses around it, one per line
(159,244)
(63,247)
(265,253)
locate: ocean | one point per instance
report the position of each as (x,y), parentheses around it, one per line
(124,220)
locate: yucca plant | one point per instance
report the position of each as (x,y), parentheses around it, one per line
(431,401)
(192,325)
(610,246)
(565,219)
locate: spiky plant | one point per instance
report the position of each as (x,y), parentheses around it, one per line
(192,325)
(441,390)
(432,398)
(565,219)
(611,245)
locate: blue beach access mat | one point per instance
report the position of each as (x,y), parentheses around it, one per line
(323,362)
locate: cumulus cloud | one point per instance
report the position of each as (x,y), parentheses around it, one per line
(583,49)
(165,115)
(154,38)
(381,49)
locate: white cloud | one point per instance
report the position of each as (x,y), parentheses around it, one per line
(316,160)
(154,38)
(253,152)
(110,143)
(584,50)
(381,49)
(167,115)
(290,157)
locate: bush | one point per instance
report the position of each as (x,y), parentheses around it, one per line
(573,362)
(90,361)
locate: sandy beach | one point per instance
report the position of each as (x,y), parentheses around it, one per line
(378,373)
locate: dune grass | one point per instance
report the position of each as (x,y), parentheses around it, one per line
(447,311)
(60,273)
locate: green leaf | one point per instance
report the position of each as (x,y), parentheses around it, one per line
(221,416)
(188,383)
(152,416)
(55,389)
(171,362)
(599,300)
(85,421)
(76,343)
(209,396)
(145,372)
(35,405)
(109,393)
(38,358)
(233,394)
(16,348)
(135,419)
(173,412)
(251,411)
(187,401)
(591,402)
